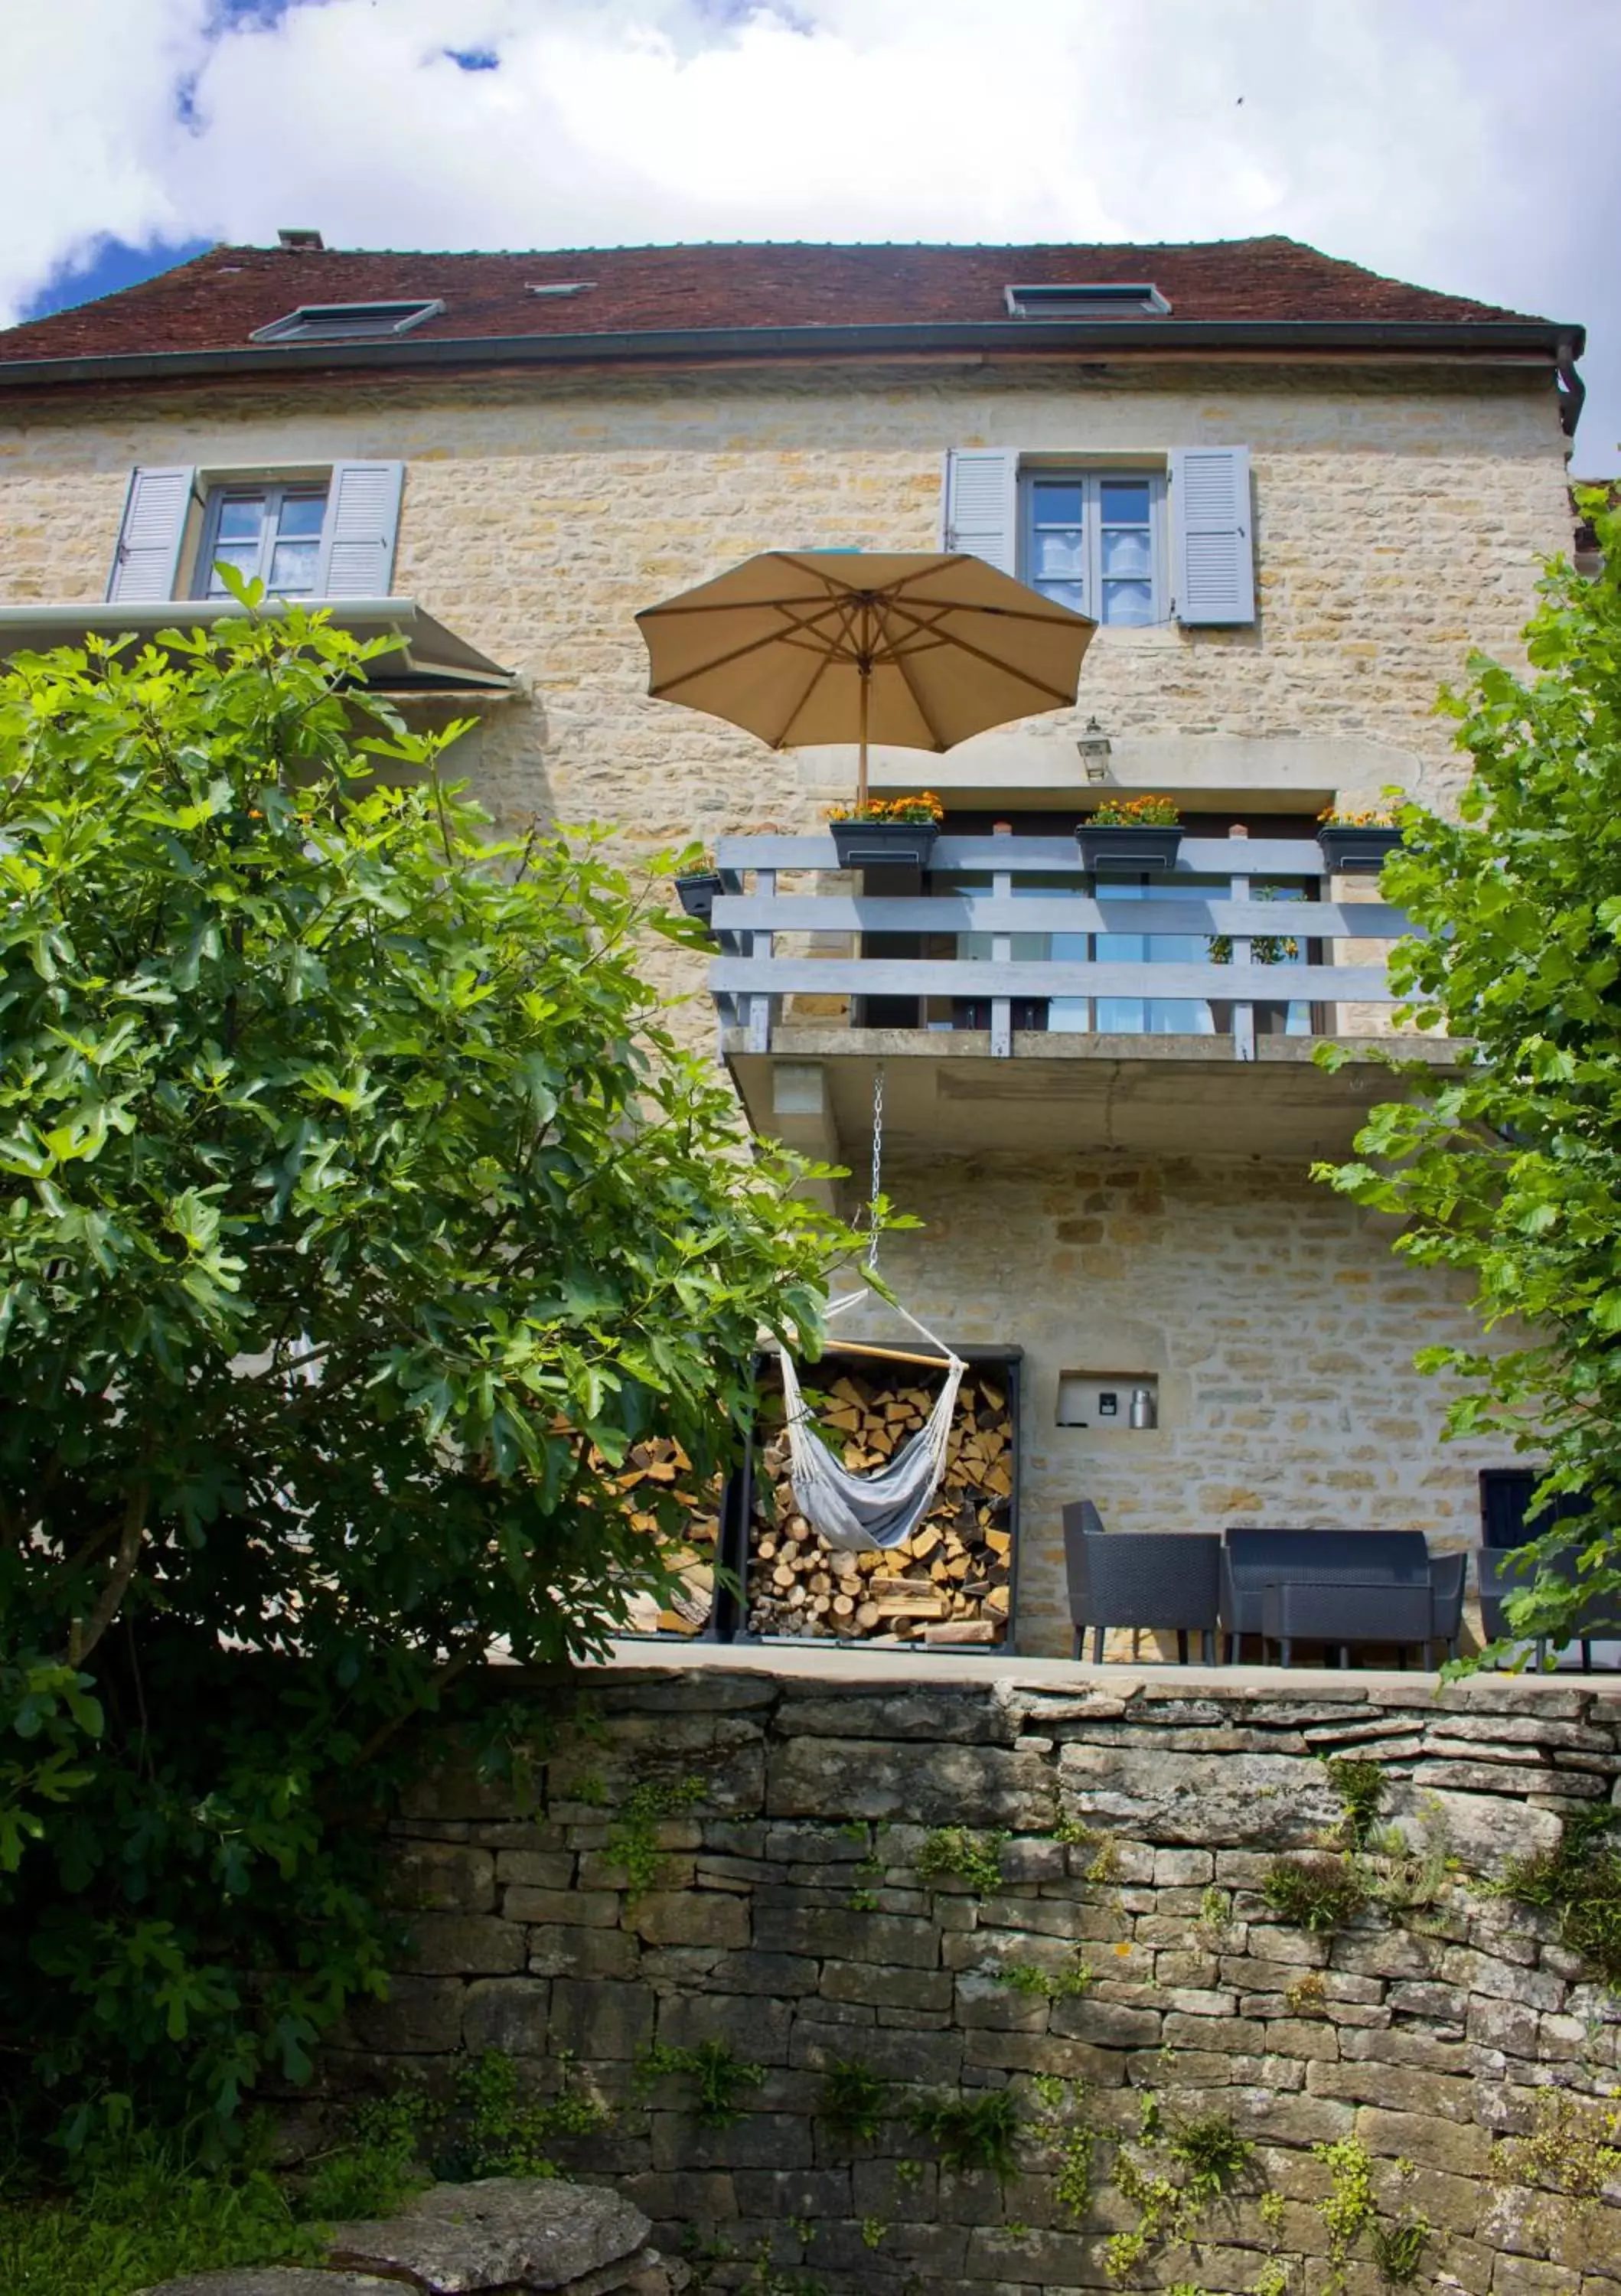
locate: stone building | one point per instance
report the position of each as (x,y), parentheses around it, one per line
(1294,495)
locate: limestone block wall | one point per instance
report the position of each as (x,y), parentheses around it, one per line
(1277,1322)
(1399,520)
(796,1916)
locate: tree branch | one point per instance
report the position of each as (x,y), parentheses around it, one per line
(441,1680)
(81,1639)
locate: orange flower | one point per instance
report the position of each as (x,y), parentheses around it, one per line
(1137,813)
(925,807)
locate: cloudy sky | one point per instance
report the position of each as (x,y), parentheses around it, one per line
(1467,144)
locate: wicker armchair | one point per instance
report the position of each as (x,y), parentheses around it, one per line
(1502,1573)
(1138,1578)
(1448,1578)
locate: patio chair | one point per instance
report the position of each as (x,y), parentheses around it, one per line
(1448,1579)
(1500,1576)
(1161,1581)
(1253,1560)
(1506,1519)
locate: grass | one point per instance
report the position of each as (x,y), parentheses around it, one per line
(1359,1787)
(137,2210)
(144,2215)
(1315,1893)
(1581,1883)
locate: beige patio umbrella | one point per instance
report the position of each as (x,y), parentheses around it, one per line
(917,649)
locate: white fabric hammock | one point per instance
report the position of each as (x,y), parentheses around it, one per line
(882,1510)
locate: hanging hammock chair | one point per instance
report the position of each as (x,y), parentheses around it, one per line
(857,1512)
(861,1511)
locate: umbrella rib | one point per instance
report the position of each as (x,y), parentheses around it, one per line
(938,739)
(1008,670)
(828,601)
(829,657)
(796,633)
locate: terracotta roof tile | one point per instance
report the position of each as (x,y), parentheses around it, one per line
(217,301)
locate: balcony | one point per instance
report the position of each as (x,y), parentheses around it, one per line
(1119,1030)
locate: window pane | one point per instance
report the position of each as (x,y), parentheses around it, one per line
(292,567)
(1126,552)
(1072,594)
(1060,553)
(240,518)
(1125,502)
(243,556)
(1057,505)
(302,513)
(1179,1017)
(1129,602)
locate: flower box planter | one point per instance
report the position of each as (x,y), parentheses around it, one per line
(698,894)
(1356,849)
(1113,846)
(884,844)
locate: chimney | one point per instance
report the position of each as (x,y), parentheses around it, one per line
(306,241)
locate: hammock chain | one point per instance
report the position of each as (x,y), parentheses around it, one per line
(878,1163)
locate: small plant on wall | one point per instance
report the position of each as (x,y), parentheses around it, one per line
(1580,1881)
(1320,1893)
(852,2101)
(717,2075)
(953,1853)
(971,2132)
(1178,2170)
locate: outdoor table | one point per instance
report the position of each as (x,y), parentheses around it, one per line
(1342,1611)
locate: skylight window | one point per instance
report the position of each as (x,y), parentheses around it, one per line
(1108,299)
(560,286)
(355,323)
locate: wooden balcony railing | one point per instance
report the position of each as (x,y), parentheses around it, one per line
(753,972)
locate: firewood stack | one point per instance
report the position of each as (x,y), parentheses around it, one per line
(952,1581)
(659,1470)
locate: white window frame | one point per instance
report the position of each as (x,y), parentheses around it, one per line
(327,322)
(1091,477)
(271,491)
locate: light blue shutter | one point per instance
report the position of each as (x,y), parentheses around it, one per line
(1212,552)
(981,505)
(362,521)
(147,560)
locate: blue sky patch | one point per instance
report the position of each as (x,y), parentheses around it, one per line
(109,265)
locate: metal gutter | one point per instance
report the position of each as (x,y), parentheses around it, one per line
(1484,338)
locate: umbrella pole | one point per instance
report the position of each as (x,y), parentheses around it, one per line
(860,770)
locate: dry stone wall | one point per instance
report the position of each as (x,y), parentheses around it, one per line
(1092,1946)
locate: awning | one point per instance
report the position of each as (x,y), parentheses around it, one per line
(426,658)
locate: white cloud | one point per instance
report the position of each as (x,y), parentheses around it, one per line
(1447,144)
